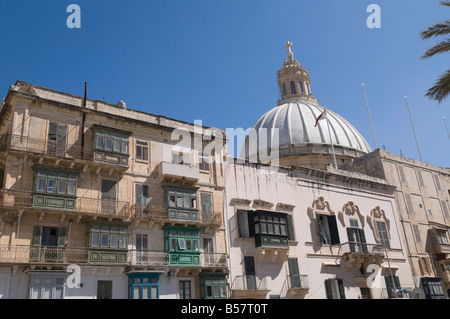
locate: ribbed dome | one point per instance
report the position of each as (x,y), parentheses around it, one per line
(295,120)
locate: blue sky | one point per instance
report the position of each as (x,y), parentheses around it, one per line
(216,60)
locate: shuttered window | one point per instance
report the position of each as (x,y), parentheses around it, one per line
(334,289)
(328,231)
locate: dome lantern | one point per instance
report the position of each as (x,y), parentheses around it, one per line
(293,79)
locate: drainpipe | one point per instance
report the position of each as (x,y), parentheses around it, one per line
(84,119)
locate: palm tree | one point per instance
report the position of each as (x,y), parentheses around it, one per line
(442,86)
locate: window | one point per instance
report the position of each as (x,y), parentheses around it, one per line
(402,174)
(334,289)
(142,197)
(438,184)
(302,90)
(60,183)
(419,175)
(441,237)
(182,240)
(432,288)
(111,141)
(104,289)
(49,236)
(260,223)
(56,144)
(242,223)
(206,202)
(356,237)
(417,233)
(284,89)
(47,287)
(444,208)
(393,290)
(293,91)
(365,293)
(214,286)
(204,161)
(328,232)
(182,198)
(409,205)
(142,150)
(143,286)
(250,273)
(184,289)
(425,265)
(109,237)
(141,242)
(294,274)
(384,239)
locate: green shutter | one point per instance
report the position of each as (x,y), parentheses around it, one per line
(334,234)
(290,226)
(341,288)
(251,224)
(37,235)
(328,289)
(62,236)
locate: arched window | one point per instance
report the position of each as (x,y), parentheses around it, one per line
(284,89)
(293,91)
(300,84)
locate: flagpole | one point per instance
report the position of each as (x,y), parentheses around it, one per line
(414,131)
(367,106)
(446,128)
(331,140)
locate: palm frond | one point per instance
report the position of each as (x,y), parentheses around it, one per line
(437,29)
(441,88)
(441,47)
(445,3)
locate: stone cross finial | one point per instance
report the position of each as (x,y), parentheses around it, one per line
(290,55)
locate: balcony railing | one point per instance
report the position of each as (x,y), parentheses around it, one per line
(25,254)
(298,282)
(391,293)
(44,147)
(148,258)
(249,283)
(209,218)
(362,248)
(14,198)
(21,254)
(149,211)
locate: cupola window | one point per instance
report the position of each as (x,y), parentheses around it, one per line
(293,91)
(284,89)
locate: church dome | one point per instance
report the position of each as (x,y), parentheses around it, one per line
(295,120)
(291,129)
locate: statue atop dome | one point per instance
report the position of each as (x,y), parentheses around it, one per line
(290,55)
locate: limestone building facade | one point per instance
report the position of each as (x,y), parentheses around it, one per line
(107,194)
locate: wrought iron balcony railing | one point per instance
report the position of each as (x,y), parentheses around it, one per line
(250,282)
(362,248)
(23,199)
(44,147)
(25,254)
(297,282)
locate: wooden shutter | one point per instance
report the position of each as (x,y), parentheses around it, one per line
(290,227)
(37,235)
(294,272)
(341,288)
(62,236)
(328,289)
(251,224)
(334,234)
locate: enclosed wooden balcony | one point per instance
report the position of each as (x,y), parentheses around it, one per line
(439,238)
